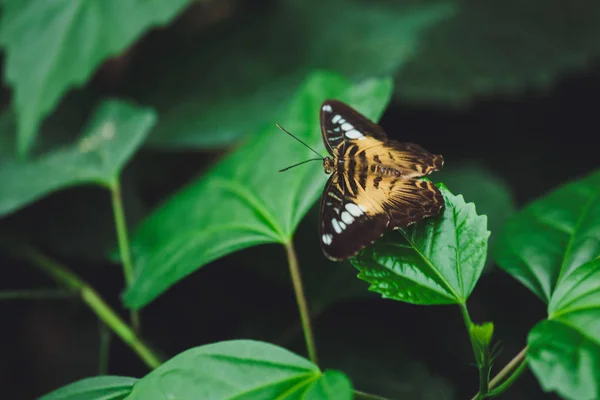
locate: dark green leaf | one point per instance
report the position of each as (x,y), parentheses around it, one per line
(494,46)
(564,357)
(437,261)
(240,369)
(564,352)
(240,74)
(552,236)
(53,45)
(487,190)
(243,201)
(115,131)
(97,388)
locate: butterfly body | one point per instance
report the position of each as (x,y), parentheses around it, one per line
(373,185)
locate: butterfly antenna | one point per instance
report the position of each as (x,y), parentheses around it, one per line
(307,146)
(300,163)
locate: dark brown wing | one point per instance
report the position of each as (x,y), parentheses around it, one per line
(335,116)
(345,227)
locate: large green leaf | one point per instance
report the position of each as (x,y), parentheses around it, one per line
(564,352)
(552,236)
(437,261)
(241,369)
(243,201)
(113,134)
(97,388)
(53,45)
(221,85)
(553,247)
(508,46)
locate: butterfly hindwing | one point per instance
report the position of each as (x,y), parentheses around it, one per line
(345,226)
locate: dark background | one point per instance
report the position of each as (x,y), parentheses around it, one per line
(534,141)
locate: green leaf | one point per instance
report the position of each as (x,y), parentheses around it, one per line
(217,87)
(552,236)
(553,246)
(53,45)
(243,201)
(437,261)
(507,47)
(491,194)
(113,134)
(243,369)
(96,388)
(564,352)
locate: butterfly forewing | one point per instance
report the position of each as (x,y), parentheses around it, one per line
(372,187)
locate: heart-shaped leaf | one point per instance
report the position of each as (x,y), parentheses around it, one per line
(240,369)
(53,45)
(552,246)
(243,201)
(217,87)
(552,236)
(564,352)
(509,46)
(114,133)
(96,388)
(437,261)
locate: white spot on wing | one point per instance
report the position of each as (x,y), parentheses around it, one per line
(327,238)
(327,108)
(347,126)
(354,134)
(347,218)
(336,226)
(342,225)
(336,118)
(354,209)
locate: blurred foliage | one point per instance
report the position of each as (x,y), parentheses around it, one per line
(217,75)
(241,369)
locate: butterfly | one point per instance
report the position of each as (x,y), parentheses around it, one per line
(374,185)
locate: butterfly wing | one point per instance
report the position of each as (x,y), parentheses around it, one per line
(335,116)
(345,226)
(363,198)
(342,127)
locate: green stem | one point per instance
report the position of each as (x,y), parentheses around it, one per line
(33,294)
(517,365)
(123,241)
(481,364)
(367,396)
(521,365)
(106,314)
(301,300)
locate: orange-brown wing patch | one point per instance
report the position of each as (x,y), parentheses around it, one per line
(405,201)
(411,160)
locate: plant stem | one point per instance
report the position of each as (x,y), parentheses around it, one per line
(301,300)
(34,294)
(106,314)
(517,364)
(520,362)
(483,369)
(123,240)
(367,396)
